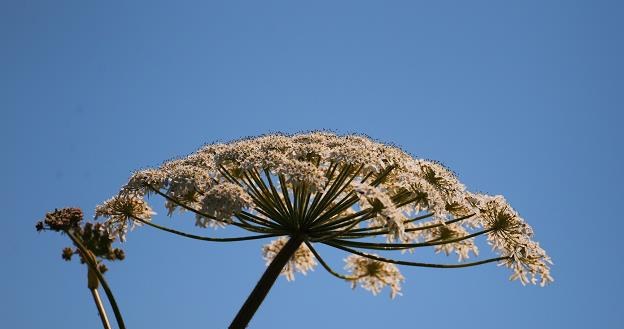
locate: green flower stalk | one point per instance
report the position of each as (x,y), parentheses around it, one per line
(93,244)
(346,192)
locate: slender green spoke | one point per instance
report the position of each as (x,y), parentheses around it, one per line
(352,199)
(329,174)
(426,227)
(264,202)
(399,246)
(373,228)
(401,262)
(296,202)
(376,230)
(270,194)
(256,195)
(276,196)
(205,238)
(178,203)
(379,179)
(327,267)
(399,204)
(284,189)
(301,191)
(339,207)
(338,233)
(306,206)
(330,194)
(341,222)
(250,226)
(317,217)
(365,178)
(259,220)
(226,174)
(304,202)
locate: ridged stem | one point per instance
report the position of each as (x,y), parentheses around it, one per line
(100,307)
(263,286)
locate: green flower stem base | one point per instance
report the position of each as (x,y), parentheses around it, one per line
(100,307)
(264,285)
(100,278)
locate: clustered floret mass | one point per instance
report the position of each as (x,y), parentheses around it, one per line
(95,237)
(341,191)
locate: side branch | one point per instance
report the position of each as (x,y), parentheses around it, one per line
(109,293)
(399,246)
(416,264)
(195,211)
(326,267)
(205,238)
(358,233)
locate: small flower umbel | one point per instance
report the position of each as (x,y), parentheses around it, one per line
(346,192)
(93,244)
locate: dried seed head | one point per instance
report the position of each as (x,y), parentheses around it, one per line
(61,219)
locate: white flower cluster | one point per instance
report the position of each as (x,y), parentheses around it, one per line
(511,236)
(387,214)
(374,275)
(326,185)
(121,210)
(220,202)
(449,232)
(302,260)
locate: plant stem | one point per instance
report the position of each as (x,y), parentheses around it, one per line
(263,286)
(91,262)
(100,307)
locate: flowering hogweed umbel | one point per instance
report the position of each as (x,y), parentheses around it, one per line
(341,191)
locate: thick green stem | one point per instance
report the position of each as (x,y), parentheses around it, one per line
(264,285)
(93,266)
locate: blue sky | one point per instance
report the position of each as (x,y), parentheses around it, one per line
(522,99)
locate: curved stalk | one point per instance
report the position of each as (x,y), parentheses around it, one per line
(338,233)
(416,264)
(195,211)
(92,265)
(100,307)
(411,220)
(278,200)
(251,305)
(399,246)
(205,238)
(327,268)
(360,233)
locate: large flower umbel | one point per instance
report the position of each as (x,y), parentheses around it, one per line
(341,191)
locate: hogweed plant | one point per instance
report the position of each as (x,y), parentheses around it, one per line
(347,192)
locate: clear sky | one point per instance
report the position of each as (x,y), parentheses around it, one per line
(521,98)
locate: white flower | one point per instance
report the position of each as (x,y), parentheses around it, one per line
(387,214)
(374,275)
(222,202)
(120,210)
(511,236)
(462,248)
